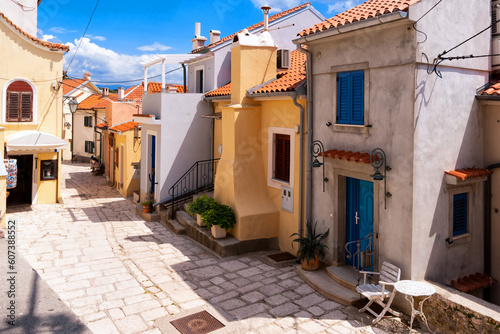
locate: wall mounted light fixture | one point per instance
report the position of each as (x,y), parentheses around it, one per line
(317,148)
(378,161)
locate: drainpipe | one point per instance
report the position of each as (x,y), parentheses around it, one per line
(301,159)
(184,75)
(487,228)
(309,129)
(100,143)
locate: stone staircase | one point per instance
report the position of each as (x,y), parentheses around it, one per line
(335,283)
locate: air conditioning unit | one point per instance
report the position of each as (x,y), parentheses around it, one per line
(495,49)
(495,15)
(284,58)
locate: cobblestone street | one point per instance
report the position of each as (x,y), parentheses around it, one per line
(120,274)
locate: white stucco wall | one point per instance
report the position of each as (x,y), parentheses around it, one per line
(185,137)
(24,19)
(82,133)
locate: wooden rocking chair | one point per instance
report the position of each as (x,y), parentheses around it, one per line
(389,275)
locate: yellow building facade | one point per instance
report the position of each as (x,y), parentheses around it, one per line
(31,114)
(257,113)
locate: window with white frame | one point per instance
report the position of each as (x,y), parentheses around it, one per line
(87,121)
(281,147)
(89,146)
(460,214)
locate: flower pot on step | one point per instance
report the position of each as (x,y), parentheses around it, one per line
(200,221)
(218,232)
(146,208)
(311,265)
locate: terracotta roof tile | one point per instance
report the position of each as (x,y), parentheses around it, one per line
(492,88)
(347,155)
(253,27)
(134,93)
(96,101)
(155,87)
(468,173)
(124,126)
(101,125)
(70,84)
(221,91)
(46,44)
(472,282)
(366,10)
(289,80)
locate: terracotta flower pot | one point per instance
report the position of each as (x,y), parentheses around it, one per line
(146,208)
(200,221)
(218,232)
(311,265)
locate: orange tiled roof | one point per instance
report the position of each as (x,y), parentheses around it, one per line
(468,173)
(289,80)
(134,93)
(70,84)
(46,44)
(124,126)
(366,10)
(96,101)
(253,27)
(347,155)
(155,87)
(221,91)
(472,282)
(493,88)
(101,125)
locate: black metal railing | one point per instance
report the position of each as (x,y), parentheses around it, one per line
(360,252)
(199,177)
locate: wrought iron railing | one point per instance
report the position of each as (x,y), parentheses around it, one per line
(199,177)
(360,252)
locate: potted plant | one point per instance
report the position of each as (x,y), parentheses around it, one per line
(146,206)
(198,206)
(311,248)
(219,218)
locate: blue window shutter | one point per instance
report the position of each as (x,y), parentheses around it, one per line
(343,100)
(358,98)
(459,214)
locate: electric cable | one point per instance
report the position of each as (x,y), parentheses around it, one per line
(421,17)
(81,39)
(125,81)
(25,8)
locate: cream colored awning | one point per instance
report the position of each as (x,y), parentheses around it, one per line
(34,141)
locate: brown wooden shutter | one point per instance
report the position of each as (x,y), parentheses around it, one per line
(13,101)
(26,107)
(282,157)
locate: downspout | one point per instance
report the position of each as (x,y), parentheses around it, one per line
(184,75)
(487,228)
(301,159)
(100,143)
(309,129)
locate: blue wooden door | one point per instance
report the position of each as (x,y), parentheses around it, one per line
(359,222)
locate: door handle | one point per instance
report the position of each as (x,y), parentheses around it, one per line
(356,217)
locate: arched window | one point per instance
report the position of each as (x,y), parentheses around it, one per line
(19,102)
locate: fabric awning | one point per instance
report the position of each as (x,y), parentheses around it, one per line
(34,141)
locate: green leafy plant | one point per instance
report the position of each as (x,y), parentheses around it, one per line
(200,205)
(147,203)
(311,244)
(219,214)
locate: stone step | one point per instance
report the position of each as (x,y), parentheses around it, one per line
(228,246)
(345,276)
(323,284)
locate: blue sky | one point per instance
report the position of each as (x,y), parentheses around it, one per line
(124,33)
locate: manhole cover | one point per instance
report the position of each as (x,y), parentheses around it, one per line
(198,323)
(281,257)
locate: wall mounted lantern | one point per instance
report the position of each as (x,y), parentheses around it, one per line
(378,161)
(73,105)
(317,148)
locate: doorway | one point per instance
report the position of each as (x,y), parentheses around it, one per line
(359,223)
(22,193)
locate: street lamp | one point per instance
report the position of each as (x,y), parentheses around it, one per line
(316,149)
(378,161)
(73,105)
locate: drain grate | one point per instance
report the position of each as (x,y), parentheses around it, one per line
(281,257)
(198,323)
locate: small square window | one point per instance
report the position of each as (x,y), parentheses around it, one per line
(48,170)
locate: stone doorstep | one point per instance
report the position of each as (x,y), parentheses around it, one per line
(345,276)
(323,284)
(150,217)
(228,246)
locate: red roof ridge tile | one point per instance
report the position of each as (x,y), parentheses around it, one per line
(46,44)
(122,127)
(468,173)
(472,282)
(347,155)
(254,26)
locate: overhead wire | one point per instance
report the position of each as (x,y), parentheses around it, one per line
(25,8)
(125,81)
(421,17)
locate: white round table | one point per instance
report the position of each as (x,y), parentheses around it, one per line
(415,289)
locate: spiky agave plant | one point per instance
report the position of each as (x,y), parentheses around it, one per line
(311,244)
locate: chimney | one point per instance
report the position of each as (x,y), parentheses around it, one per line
(121,93)
(86,76)
(198,41)
(214,36)
(105,91)
(266,10)
(171,89)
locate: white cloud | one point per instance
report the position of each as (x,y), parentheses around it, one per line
(60,30)
(47,37)
(341,6)
(277,5)
(154,47)
(97,38)
(108,65)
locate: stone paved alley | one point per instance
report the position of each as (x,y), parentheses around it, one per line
(121,274)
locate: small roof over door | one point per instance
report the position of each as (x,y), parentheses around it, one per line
(34,141)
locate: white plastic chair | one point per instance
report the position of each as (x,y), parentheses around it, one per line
(389,275)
